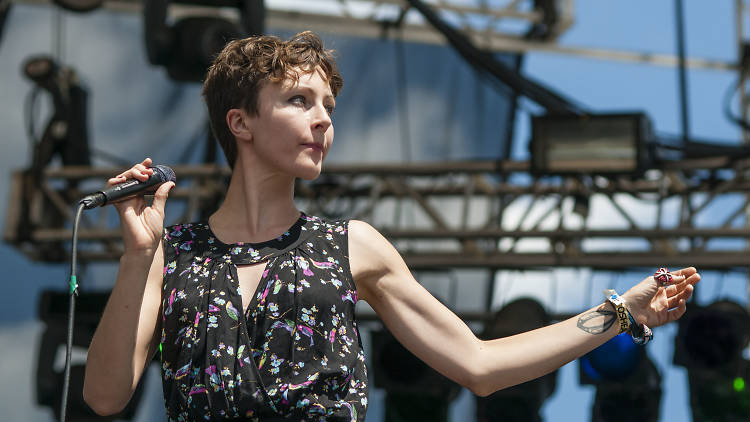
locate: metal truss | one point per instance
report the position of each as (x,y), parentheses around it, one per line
(493,25)
(484,19)
(481,214)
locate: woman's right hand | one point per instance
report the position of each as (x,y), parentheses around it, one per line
(141,225)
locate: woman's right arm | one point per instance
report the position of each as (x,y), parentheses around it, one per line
(128,332)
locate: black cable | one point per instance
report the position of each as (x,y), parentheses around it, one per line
(73,291)
(30,105)
(553,102)
(682,70)
(728,105)
(403,96)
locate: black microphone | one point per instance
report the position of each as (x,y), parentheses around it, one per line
(129,188)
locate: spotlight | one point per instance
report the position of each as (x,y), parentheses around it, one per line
(521,402)
(66,133)
(414,391)
(581,205)
(594,144)
(187,48)
(628,385)
(42,70)
(53,308)
(80,6)
(709,344)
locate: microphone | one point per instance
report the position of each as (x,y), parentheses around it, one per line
(129,188)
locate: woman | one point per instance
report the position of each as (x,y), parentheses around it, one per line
(253,309)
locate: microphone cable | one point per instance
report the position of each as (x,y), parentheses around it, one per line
(123,190)
(73,292)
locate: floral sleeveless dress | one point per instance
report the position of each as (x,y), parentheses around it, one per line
(295,354)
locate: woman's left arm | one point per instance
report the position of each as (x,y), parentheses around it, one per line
(438,337)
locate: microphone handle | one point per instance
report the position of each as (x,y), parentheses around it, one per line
(120,191)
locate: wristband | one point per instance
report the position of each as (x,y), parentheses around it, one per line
(622,312)
(640,333)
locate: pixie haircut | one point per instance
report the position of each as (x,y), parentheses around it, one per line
(243,66)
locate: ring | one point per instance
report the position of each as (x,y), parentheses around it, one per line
(663,276)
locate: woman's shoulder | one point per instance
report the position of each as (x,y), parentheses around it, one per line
(363,231)
(366,241)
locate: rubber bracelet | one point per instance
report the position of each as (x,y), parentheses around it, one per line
(622,311)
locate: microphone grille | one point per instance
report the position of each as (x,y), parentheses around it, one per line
(165,173)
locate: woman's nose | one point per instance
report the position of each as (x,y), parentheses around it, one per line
(321,118)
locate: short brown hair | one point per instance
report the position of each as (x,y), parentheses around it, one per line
(243,66)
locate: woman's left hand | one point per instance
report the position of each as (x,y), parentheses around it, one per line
(653,304)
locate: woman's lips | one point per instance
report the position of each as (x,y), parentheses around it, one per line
(316,147)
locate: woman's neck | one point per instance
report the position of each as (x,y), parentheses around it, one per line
(258,206)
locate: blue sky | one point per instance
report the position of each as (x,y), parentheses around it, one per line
(136,110)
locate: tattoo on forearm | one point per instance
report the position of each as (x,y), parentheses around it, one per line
(597,321)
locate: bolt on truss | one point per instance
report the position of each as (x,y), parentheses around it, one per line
(480,214)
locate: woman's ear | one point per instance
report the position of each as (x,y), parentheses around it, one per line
(239,124)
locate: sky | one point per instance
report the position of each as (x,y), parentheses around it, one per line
(137,110)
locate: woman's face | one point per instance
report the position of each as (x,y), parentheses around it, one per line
(293,129)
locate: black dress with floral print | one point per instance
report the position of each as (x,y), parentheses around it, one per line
(295,354)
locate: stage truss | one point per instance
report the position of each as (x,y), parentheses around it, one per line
(480,214)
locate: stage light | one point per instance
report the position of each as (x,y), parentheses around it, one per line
(628,385)
(581,205)
(521,402)
(591,144)
(414,391)
(4,12)
(187,47)
(66,133)
(53,312)
(65,136)
(80,6)
(709,344)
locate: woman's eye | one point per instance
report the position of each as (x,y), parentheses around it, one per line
(330,110)
(297,99)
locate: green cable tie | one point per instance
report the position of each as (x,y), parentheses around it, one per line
(73,285)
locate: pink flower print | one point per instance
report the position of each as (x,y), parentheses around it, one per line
(287,325)
(310,379)
(332,335)
(302,263)
(352,410)
(306,331)
(177,230)
(351,296)
(214,377)
(170,302)
(239,354)
(170,267)
(197,389)
(323,264)
(182,371)
(265,292)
